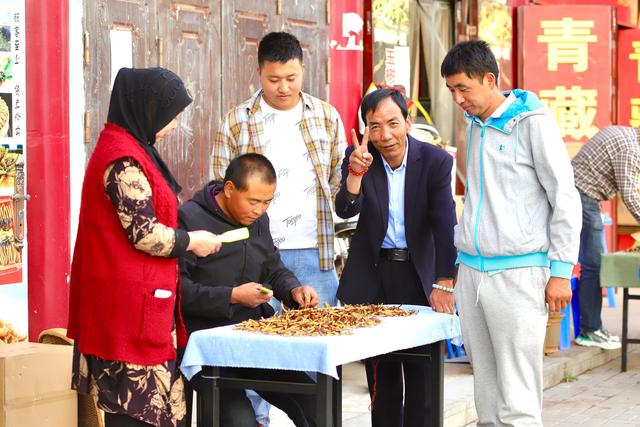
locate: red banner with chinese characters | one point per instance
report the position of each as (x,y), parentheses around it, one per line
(626,10)
(627,13)
(566,59)
(629,78)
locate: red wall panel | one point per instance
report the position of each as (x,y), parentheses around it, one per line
(346,42)
(47,163)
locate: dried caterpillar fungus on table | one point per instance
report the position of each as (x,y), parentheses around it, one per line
(323,321)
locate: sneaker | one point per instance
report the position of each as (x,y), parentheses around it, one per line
(607,335)
(591,339)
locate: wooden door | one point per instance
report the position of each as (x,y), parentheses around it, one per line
(244,22)
(212,45)
(136,17)
(308,21)
(189,44)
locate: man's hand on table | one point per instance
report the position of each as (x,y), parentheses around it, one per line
(249,295)
(305,296)
(442,301)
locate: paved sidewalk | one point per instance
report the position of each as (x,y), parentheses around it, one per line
(601,397)
(600,394)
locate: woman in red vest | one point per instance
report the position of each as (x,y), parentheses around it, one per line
(124,297)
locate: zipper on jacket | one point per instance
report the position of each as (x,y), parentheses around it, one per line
(466,160)
(244,260)
(476,226)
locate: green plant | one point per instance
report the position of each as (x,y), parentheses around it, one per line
(568,377)
(391,14)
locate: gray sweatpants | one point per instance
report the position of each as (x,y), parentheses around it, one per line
(504,317)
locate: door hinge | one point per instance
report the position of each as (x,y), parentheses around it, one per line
(328,12)
(19,198)
(278,7)
(328,65)
(87,127)
(86,54)
(160,47)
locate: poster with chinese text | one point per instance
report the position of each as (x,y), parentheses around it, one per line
(629,78)
(566,59)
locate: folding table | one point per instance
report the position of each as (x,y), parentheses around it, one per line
(321,355)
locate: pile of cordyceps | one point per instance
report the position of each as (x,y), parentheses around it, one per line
(323,321)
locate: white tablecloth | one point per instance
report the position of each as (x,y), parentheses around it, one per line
(226,347)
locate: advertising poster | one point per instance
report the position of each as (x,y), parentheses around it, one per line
(13,291)
(391,63)
(629,78)
(566,59)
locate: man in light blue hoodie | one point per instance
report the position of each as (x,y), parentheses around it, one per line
(517,239)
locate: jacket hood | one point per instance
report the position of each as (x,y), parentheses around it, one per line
(205,201)
(526,104)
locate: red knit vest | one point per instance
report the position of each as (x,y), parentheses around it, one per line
(113,313)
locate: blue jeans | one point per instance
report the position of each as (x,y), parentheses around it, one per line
(260,406)
(589,291)
(305,264)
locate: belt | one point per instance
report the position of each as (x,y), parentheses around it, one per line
(395,254)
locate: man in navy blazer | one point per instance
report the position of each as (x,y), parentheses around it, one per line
(403,243)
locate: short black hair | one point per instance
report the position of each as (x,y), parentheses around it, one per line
(279,47)
(246,165)
(473,57)
(371,101)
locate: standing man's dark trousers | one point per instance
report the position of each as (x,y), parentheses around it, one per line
(589,291)
(387,379)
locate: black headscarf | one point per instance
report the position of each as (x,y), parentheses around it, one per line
(145,100)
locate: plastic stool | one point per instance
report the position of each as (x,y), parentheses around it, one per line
(450,354)
(565,329)
(575,306)
(611,296)
(453,351)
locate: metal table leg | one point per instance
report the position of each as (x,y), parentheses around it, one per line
(625,326)
(625,318)
(337,399)
(215,401)
(324,400)
(436,375)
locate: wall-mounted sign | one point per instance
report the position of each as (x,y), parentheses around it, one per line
(567,60)
(629,78)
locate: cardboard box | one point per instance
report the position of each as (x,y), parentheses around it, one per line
(624,216)
(573,148)
(35,386)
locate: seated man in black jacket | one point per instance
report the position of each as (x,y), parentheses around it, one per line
(224,288)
